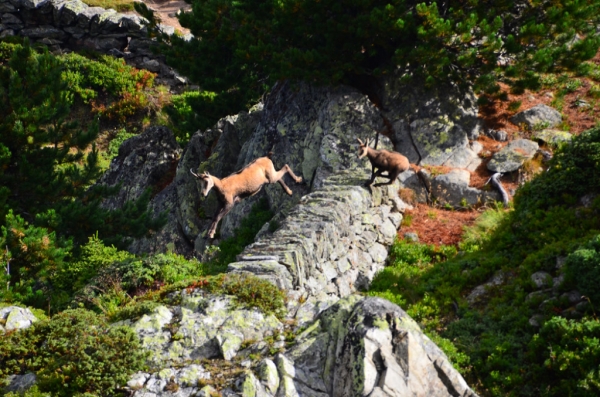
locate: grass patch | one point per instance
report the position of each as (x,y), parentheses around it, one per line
(118,5)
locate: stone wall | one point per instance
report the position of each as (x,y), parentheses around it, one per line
(73,25)
(332,242)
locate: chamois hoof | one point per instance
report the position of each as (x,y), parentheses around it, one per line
(299,180)
(289,192)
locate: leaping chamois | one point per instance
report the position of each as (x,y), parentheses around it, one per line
(245,183)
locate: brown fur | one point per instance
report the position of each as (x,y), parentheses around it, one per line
(383,160)
(242,184)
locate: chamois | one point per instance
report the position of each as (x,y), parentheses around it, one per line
(383,160)
(245,183)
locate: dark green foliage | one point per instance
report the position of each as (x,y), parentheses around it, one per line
(45,171)
(567,354)
(19,349)
(194,110)
(583,270)
(116,142)
(75,352)
(573,173)
(40,151)
(32,257)
(242,46)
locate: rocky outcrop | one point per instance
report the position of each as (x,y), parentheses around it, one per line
(145,161)
(331,243)
(357,347)
(73,25)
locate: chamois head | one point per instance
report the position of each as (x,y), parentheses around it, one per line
(206,182)
(363,148)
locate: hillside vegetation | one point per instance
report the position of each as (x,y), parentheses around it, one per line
(64,117)
(492,339)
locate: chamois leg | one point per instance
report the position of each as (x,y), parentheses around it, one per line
(373,176)
(285,187)
(277,176)
(222,212)
(392,176)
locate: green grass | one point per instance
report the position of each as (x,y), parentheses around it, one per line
(118,5)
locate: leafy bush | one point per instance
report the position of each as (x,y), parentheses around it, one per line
(116,142)
(583,269)
(567,354)
(32,258)
(75,352)
(192,111)
(572,174)
(250,291)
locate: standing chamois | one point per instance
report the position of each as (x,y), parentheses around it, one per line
(245,183)
(383,160)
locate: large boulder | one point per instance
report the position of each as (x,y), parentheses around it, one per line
(145,161)
(430,126)
(367,347)
(537,116)
(511,157)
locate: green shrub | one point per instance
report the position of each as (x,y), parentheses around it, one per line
(250,291)
(30,261)
(583,269)
(572,174)
(192,111)
(75,352)
(567,354)
(83,354)
(116,142)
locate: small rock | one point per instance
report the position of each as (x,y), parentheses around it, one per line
(572,296)
(498,135)
(412,237)
(20,383)
(541,279)
(536,320)
(17,317)
(553,137)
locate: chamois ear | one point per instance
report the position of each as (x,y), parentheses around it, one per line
(368,142)
(361,142)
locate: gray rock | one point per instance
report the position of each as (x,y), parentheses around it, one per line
(16,318)
(20,383)
(367,346)
(69,12)
(11,20)
(541,279)
(201,326)
(512,156)
(148,160)
(43,32)
(537,116)
(480,291)
(150,64)
(553,137)
(453,189)
(412,237)
(5,6)
(498,135)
